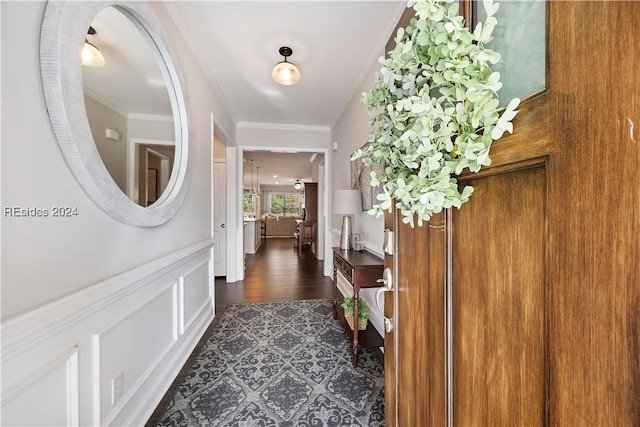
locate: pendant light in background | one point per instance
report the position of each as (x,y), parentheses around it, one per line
(91,55)
(285,72)
(252,191)
(257,181)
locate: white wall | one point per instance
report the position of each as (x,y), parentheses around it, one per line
(159,128)
(87,298)
(113,153)
(351,132)
(304,138)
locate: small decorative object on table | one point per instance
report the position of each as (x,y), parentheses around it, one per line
(363,312)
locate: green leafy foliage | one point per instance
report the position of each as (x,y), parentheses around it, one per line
(435,111)
(363,309)
(247,202)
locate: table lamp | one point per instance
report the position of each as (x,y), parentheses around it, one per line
(346,203)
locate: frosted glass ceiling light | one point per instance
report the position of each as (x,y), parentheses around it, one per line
(285,72)
(91,55)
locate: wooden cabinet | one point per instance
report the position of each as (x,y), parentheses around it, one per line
(362,270)
(307,227)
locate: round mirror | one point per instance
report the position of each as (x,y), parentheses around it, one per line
(128,105)
(116,106)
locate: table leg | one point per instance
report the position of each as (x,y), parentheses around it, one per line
(356,296)
(335,293)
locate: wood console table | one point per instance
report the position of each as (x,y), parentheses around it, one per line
(362,270)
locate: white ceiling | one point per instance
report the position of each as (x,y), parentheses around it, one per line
(334,43)
(236,43)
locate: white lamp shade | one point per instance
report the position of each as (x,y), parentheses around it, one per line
(285,73)
(347,202)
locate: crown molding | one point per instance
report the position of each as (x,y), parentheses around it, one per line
(282,126)
(150,117)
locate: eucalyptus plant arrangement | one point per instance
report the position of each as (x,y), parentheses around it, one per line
(435,107)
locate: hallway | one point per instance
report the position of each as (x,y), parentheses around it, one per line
(276,273)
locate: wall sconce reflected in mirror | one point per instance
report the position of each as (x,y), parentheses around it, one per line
(112,134)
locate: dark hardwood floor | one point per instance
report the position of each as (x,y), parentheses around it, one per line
(276,273)
(273,273)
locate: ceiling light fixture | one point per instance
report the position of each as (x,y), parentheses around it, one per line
(298,185)
(91,55)
(285,72)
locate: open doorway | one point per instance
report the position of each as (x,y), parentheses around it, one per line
(273,195)
(150,163)
(158,170)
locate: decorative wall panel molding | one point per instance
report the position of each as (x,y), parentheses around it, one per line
(127,346)
(54,387)
(28,329)
(197,293)
(127,353)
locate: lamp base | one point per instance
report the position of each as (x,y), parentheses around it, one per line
(345,235)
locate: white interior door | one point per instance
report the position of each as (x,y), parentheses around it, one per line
(220,219)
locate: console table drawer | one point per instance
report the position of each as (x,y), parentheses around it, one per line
(344,268)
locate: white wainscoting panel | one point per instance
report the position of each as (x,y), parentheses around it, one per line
(128,324)
(127,350)
(196,292)
(53,389)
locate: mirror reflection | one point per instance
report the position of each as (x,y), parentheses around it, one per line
(128,106)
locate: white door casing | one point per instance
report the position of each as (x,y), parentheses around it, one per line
(219,219)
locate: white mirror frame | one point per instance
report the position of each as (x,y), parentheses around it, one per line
(64,29)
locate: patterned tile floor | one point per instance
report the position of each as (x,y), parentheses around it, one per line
(279,364)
